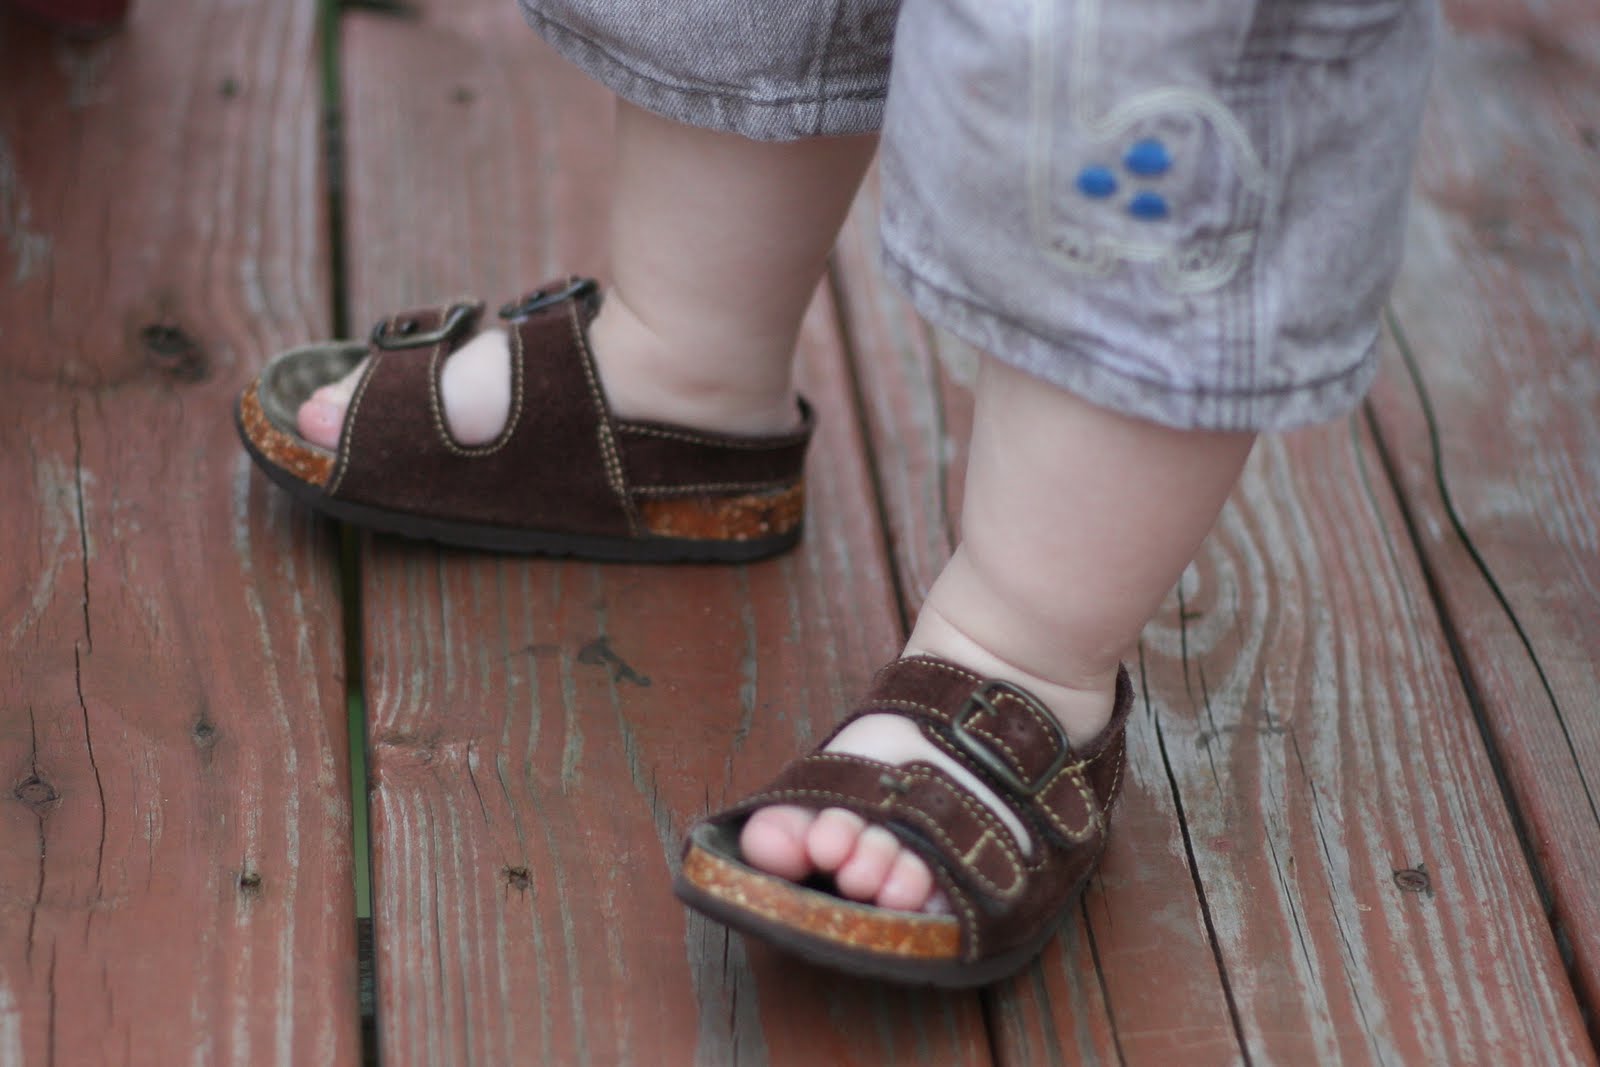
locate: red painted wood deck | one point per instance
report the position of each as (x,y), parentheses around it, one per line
(1361,821)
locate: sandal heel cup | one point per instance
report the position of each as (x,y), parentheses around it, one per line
(1007,900)
(565,478)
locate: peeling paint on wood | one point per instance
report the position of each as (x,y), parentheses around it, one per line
(1489,412)
(175,877)
(27,248)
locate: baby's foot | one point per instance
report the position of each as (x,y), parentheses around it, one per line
(644,377)
(475,386)
(866,862)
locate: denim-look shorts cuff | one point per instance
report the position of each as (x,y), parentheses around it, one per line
(1077,369)
(836,112)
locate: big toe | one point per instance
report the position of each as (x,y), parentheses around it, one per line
(321,417)
(774,840)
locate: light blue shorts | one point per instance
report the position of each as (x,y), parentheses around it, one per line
(1189,211)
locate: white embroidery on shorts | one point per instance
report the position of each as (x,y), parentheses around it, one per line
(1192,267)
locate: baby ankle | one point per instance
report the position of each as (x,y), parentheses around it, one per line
(1081,700)
(648,377)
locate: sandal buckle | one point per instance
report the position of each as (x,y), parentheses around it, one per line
(390,335)
(585,289)
(982,699)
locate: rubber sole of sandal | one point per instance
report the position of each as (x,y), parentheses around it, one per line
(512,540)
(863,963)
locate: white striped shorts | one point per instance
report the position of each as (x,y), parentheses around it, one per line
(1189,211)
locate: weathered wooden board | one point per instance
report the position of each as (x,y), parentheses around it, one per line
(1302,713)
(1137,981)
(1491,411)
(543,732)
(175,879)
(1370,900)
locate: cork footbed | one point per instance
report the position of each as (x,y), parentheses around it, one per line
(268,406)
(859,939)
(743,517)
(712,874)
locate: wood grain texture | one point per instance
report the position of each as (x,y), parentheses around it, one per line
(1302,712)
(542,733)
(1323,748)
(175,879)
(1491,411)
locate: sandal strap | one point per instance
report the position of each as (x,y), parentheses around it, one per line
(559,445)
(922,805)
(663,460)
(1002,735)
(1005,736)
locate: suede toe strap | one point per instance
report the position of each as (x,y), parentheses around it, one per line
(558,449)
(1007,737)
(918,802)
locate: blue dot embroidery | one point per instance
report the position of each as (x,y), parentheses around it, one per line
(1148,159)
(1097,182)
(1148,206)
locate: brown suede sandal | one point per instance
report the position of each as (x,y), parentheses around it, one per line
(1006,901)
(565,476)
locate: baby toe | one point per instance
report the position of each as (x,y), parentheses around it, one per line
(862,875)
(909,883)
(774,840)
(832,838)
(321,418)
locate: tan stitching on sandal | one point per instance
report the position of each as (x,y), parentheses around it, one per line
(347,434)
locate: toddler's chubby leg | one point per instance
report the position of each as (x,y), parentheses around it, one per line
(1076,524)
(717,244)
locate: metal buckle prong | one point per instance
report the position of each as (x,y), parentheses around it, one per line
(982,700)
(585,289)
(404,334)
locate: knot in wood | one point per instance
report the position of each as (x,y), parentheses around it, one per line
(599,653)
(35,792)
(173,352)
(1413,880)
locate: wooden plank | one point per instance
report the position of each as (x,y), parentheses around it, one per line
(175,878)
(1302,713)
(1492,417)
(1329,768)
(543,732)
